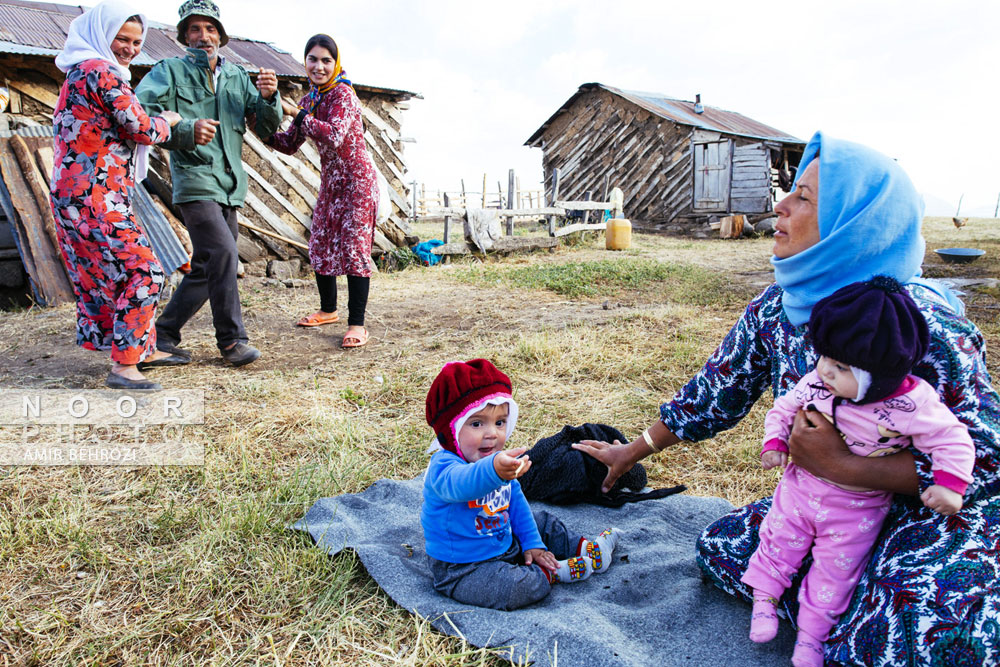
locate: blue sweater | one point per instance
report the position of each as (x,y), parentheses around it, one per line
(470,514)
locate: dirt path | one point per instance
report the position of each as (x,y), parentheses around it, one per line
(410,312)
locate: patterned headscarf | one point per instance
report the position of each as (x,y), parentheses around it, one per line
(316,93)
(91,33)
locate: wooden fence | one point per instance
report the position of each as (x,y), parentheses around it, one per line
(429,203)
(554,211)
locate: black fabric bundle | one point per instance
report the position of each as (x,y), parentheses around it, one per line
(562,475)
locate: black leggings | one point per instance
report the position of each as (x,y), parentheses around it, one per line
(357,297)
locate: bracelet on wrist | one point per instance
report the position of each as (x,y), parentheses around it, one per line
(649,441)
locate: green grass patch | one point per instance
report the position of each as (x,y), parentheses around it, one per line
(683,283)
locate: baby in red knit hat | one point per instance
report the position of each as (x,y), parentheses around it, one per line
(485,546)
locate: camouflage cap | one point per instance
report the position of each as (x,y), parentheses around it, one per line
(205,8)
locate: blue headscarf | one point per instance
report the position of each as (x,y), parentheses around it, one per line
(869,224)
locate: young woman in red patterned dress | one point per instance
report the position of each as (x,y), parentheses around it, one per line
(97,125)
(343,221)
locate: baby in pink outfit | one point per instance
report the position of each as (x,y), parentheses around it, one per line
(869,336)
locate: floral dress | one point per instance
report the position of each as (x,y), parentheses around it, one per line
(343,222)
(929,593)
(115,275)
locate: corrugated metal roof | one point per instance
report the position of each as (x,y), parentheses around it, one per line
(31,27)
(30,131)
(14,47)
(10,47)
(682,112)
(38,28)
(161,235)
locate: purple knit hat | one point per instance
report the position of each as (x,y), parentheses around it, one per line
(875,326)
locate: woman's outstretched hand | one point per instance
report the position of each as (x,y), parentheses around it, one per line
(171,117)
(288,108)
(616,456)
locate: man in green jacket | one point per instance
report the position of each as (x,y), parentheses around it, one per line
(209,183)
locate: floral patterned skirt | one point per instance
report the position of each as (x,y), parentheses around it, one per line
(117,281)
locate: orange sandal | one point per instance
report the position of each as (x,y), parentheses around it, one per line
(355,339)
(318,318)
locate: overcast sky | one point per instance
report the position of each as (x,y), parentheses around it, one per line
(916,80)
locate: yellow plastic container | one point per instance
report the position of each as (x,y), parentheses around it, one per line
(618,235)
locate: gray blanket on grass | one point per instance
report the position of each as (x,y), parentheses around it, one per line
(650,608)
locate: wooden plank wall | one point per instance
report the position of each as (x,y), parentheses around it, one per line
(751,184)
(648,157)
(32,216)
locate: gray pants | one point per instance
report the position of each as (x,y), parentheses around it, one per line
(213,231)
(504,582)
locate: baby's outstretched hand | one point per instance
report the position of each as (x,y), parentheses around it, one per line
(773,458)
(544,559)
(942,500)
(508,466)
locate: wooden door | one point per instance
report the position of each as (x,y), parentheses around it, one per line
(712,166)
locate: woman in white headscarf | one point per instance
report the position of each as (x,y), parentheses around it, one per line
(98,127)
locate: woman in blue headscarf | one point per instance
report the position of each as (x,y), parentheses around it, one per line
(927,595)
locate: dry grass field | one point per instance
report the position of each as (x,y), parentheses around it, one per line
(194,566)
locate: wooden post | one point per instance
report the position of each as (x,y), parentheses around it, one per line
(414,213)
(484,191)
(447,221)
(463,204)
(510,201)
(552,200)
(586,214)
(517,185)
(607,186)
(37,185)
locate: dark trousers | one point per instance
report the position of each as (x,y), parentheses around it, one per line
(505,582)
(357,297)
(213,231)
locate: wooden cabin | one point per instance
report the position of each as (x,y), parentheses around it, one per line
(681,165)
(282,188)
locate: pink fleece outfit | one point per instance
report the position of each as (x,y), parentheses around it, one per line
(839,525)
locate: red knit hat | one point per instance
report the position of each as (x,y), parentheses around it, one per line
(463,388)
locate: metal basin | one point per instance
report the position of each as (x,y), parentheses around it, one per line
(960,255)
